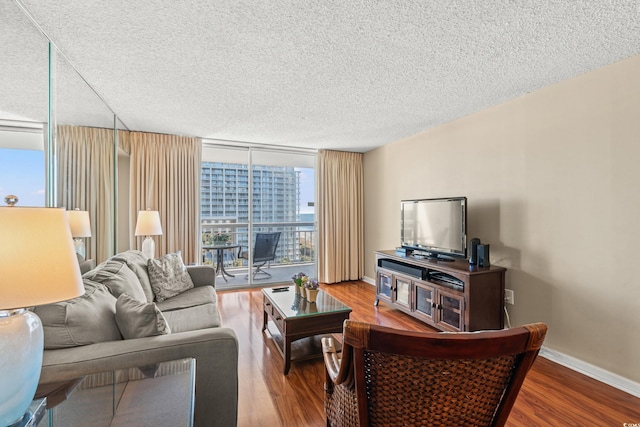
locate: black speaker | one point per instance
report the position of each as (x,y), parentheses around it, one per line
(483,256)
(473,250)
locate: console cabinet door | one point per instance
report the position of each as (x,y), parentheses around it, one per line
(384,283)
(450,311)
(424,301)
(402,291)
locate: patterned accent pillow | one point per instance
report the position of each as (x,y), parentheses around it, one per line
(168,276)
(136,319)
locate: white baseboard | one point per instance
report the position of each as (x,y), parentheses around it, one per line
(592,371)
(369,280)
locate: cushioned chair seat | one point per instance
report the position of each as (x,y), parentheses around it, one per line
(190,298)
(193,318)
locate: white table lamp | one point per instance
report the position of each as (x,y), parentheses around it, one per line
(26,280)
(80,228)
(148,224)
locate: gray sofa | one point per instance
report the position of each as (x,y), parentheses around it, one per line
(83,336)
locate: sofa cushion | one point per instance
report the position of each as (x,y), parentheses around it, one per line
(189,298)
(136,319)
(168,276)
(118,278)
(190,319)
(137,262)
(84,320)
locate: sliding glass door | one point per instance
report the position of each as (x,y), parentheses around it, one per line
(257,214)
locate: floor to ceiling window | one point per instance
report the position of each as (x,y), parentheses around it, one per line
(258,210)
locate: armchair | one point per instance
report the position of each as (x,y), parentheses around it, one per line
(391,377)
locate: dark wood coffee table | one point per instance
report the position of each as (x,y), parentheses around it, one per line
(300,324)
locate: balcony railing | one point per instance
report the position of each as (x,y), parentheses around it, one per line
(297,243)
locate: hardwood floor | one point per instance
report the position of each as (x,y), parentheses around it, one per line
(552,395)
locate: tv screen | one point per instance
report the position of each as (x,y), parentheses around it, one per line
(435,226)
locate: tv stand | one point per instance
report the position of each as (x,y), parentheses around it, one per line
(450,296)
(434,256)
(439,257)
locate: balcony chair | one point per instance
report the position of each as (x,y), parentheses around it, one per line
(388,377)
(264,251)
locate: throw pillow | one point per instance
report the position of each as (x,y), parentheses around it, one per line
(118,278)
(168,276)
(138,320)
(137,262)
(84,320)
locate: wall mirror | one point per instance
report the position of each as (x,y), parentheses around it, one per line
(64,134)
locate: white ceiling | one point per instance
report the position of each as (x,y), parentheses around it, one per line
(343,74)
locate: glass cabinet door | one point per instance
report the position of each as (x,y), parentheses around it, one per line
(384,284)
(424,301)
(451,311)
(402,291)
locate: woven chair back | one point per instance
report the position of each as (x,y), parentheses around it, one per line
(402,378)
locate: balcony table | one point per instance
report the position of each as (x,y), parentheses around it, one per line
(220,255)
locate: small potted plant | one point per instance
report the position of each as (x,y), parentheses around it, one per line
(221,238)
(300,280)
(311,288)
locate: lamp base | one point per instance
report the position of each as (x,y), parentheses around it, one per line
(21,345)
(78,244)
(149,247)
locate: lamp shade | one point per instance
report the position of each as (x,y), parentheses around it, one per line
(28,278)
(148,224)
(79,223)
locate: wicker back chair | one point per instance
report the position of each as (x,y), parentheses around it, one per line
(388,377)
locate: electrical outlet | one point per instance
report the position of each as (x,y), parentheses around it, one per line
(509,298)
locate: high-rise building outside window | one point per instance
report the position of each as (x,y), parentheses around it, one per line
(245,193)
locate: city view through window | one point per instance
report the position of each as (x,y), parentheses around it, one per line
(22,174)
(282,201)
(282,209)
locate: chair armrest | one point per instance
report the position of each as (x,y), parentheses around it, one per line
(202,275)
(338,364)
(331,360)
(215,351)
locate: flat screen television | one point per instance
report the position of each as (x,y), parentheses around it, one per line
(435,227)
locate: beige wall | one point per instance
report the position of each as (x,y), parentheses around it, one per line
(553,182)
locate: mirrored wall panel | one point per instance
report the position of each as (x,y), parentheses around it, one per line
(23,107)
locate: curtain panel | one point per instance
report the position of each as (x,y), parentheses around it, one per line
(340,216)
(165,176)
(85,180)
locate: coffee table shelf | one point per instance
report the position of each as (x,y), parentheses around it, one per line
(299,324)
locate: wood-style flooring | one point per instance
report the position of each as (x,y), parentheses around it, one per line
(552,395)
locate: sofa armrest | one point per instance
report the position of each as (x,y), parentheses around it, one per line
(202,275)
(215,351)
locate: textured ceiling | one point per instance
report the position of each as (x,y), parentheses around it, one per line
(350,75)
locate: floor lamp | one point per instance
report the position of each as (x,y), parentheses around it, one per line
(80,228)
(27,280)
(148,224)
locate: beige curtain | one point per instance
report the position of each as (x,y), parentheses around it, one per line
(165,176)
(340,216)
(85,180)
